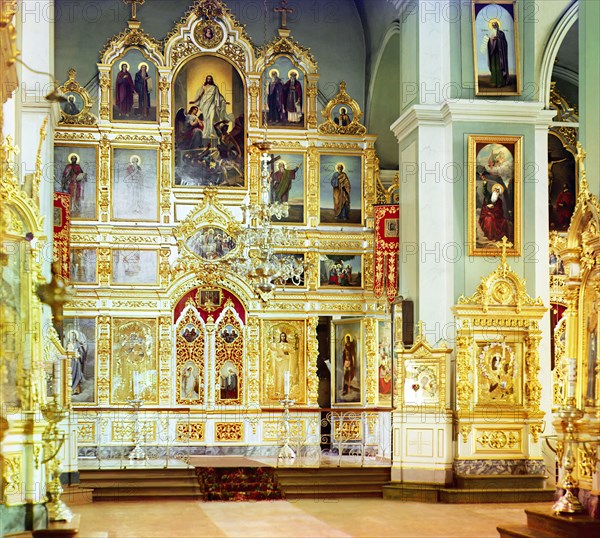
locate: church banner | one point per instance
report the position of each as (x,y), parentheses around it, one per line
(387,244)
(62,225)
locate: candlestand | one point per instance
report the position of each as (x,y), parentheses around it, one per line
(286,452)
(138,452)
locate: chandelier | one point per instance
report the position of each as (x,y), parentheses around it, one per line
(257,260)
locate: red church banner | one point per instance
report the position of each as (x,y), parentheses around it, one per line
(387,244)
(62,226)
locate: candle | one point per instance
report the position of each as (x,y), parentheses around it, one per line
(286,383)
(571,377)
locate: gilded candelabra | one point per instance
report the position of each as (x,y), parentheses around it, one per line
(286,452)
(138,452)
(569,503)
(258,261)
(54,439)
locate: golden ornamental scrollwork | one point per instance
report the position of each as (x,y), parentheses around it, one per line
(86,432)
(69,135)
(132,36)
(183,50)
(229,431)
(253,359)
(533,388)
(192,432)
(284,44)
(340,120)
(313,354)
(346,430)
(235,53)
(464,383)
(501,287)
(372,361)
(535,430)
(465,431)
(136,138)
(499,439)
(587,460)
(76,111)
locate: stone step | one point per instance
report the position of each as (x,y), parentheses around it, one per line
(134,474)
(475,496)
(134,492)
(563,525)
(425,493)
(432,493)
(145,482)
(507,481)
(307,493)
(522,531)
(76,495)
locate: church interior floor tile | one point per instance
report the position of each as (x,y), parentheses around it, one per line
(297,518)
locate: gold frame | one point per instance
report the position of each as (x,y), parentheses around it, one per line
(130,284)
(96,179)
(296,65)
(363,194)
(361,354)
(155,92)
(517,141)
(245,160)
(116,323)
(95,401)
(78,282)
(134,149)
(304,158)
(516,45)
(339,287)
(266,329)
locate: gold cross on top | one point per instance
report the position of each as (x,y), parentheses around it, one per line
(284,10)
(133,4)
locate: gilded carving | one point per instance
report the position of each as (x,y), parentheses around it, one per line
(86,432)
(465,431)
(12,475)
(313,354)
(273,430)
(372,362)
(346,430)
(124,431)
(587,461)
(229,431)
(189,432)
(499,439)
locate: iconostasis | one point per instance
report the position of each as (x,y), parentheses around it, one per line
(157,183)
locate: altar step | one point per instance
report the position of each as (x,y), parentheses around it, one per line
(296,482)
(543,523)
(333,482)
(119,484)
(473,489)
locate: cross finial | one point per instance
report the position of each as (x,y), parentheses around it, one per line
(421,330)
(133,4)
(284,10)
(504,244)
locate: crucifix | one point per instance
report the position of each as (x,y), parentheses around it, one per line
(134,4)
(284,10)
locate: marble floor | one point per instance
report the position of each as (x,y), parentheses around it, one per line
(328,518)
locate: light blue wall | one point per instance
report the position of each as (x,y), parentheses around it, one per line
(332,30)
